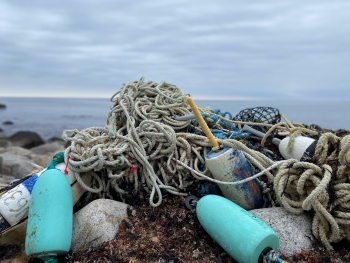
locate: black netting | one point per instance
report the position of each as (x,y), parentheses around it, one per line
(259,114)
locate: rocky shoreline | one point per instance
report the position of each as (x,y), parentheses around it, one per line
(24,152)
(168,233)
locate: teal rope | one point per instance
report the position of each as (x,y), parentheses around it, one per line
(274,258)
(58,158)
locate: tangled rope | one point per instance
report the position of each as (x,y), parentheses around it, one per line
(142,145)
(139,145)
(322,187)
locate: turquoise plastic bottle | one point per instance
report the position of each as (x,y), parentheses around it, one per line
(242,235)
(50,218)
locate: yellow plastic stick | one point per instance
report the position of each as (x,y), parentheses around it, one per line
(202,123)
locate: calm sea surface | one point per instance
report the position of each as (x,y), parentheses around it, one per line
(50,116)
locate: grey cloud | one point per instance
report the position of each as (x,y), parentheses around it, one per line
(272,49)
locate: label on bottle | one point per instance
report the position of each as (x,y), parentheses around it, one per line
(30,182)
(14,203)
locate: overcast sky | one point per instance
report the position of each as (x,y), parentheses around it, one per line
(210,49)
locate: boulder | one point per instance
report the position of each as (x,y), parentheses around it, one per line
(16,150)
(2,106)
(7,123)
(96,223)
(16,166)
(56,139)
(293,231)
(43,154)
(46,148)
(26,139)
(5,143)
(41,160)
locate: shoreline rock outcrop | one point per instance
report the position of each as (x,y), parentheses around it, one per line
(26,139)
(18,159)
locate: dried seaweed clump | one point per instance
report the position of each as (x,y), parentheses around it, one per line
(169,233)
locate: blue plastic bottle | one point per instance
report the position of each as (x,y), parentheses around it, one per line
(50,218)
(242,235)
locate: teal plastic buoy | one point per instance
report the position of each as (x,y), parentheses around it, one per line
(242,235)
(50,218)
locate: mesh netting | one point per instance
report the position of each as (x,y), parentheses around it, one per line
(259,114)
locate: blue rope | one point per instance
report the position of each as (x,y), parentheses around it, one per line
(267,155)
(205,190)
(274,258)
(222,114)
(211,120)
(218,134)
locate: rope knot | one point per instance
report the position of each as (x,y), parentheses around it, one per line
(58,158)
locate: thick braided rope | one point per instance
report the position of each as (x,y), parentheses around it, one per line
(308,190)
(322,147)
(303,186)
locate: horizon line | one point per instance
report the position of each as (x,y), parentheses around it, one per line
(201,98)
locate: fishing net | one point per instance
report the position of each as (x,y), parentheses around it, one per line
(259,114)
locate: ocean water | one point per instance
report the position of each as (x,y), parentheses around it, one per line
(49,117)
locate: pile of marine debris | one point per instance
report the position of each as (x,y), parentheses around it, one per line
(150,158)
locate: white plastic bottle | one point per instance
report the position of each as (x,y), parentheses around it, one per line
(303,148)
(14,203)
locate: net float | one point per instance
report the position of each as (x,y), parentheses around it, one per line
(303,148)
(230,165)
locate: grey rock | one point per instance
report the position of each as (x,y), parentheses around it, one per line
(26,139)
(43,154)
(42,160)
(46,148)
(96,223)
(56,139)
(8,179)
(5,142)
(2,106)
(7,123)
(16,150)
(16,166)
(293,231)
(2,149)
